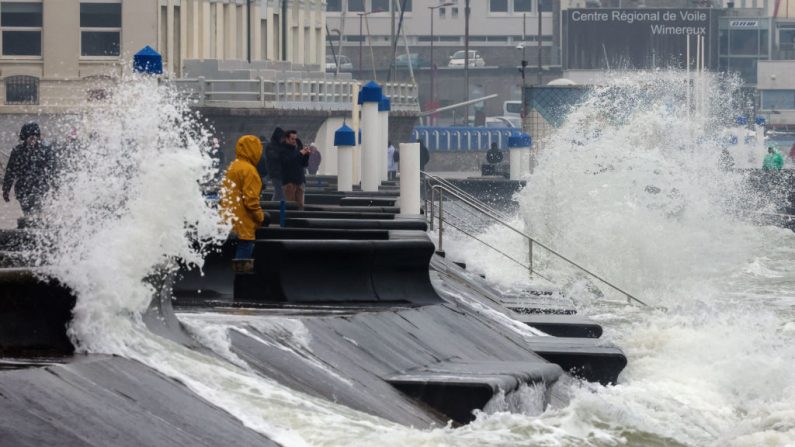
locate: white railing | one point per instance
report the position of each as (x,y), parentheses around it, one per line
(298,94)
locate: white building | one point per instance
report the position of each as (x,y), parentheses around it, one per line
(57,54)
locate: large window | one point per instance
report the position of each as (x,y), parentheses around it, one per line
(22,90)
(356,5)
(522,5)
(380,5)
(498,5)
(21,28)
(100,29)
(333,5)
(778,99)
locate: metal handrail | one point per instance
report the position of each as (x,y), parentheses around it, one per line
(488,212)
(458,190)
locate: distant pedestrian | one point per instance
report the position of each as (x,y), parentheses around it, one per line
(240,195)
(425,155)
(391,162)
(273,164)
(726,160)
(314,160)
(262,166)
(30,170)
(493,155)
(774,161)
(294,159)
(792,153)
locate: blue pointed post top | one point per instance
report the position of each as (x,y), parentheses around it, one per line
(148,61)
(741,121)
(371,92)
(760,120)
(385,105)
(344,136)
(519,140)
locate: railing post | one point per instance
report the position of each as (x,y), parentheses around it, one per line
(441,226)
(433,196)
(530,259)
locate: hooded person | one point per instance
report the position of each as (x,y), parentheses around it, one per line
(240,194)
(773,161)
(273,162)
(30,170)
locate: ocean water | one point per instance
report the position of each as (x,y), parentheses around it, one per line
(629,186)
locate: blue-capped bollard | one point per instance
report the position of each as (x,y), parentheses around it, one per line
(741,120)
(370,97)
(345,140)
(148,61)
(760,120)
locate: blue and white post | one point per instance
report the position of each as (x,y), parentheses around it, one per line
(148,61)
(371,136)
(519,149)
(383,114)
(409,179)
(345,140)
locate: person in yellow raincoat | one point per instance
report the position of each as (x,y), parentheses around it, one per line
(240,194)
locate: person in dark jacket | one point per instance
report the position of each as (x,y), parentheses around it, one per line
(295,159)
(493,155)
(273,153)
(29,171)
(425,155)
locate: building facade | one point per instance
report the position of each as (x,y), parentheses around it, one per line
(59,54)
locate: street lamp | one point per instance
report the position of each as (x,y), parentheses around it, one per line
(362,15)
(433,64)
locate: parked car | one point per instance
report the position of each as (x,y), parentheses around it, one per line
(457,59)
(503,122)
(402,61)
(344,61)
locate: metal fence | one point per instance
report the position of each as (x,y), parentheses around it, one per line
(296,94)
(462,139)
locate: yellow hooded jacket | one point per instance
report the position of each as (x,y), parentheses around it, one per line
(241,187)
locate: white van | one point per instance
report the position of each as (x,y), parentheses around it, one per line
(512,108)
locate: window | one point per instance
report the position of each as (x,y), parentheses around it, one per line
(333,5)
(522,5)
(100,29)
(405,5)
(380,5)
(21,28)
(744,42)
(356,5)
(454,12)
(22,90)
(545,5)
(442,13)
(498,5)
(778,99)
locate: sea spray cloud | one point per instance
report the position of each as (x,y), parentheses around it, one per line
(127,201)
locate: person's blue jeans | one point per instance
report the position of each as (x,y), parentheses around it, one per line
(278,191)
(245,249)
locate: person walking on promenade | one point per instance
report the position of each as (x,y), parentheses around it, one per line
(30,170)
(425,155)
(773,160)
(295,159)
(273,153)
(240,194)
(391,162)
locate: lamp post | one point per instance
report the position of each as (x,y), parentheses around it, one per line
(362,15)
(433,64)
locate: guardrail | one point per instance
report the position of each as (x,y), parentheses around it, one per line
(441,188)
(297,94)
(462,139)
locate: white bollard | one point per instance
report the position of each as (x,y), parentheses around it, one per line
(409,179)
(345,140)
(383,113)
(519,147)
(371,136)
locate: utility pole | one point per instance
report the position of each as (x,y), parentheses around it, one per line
(248,29)
(393,42)
(466,59)
(538,4)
